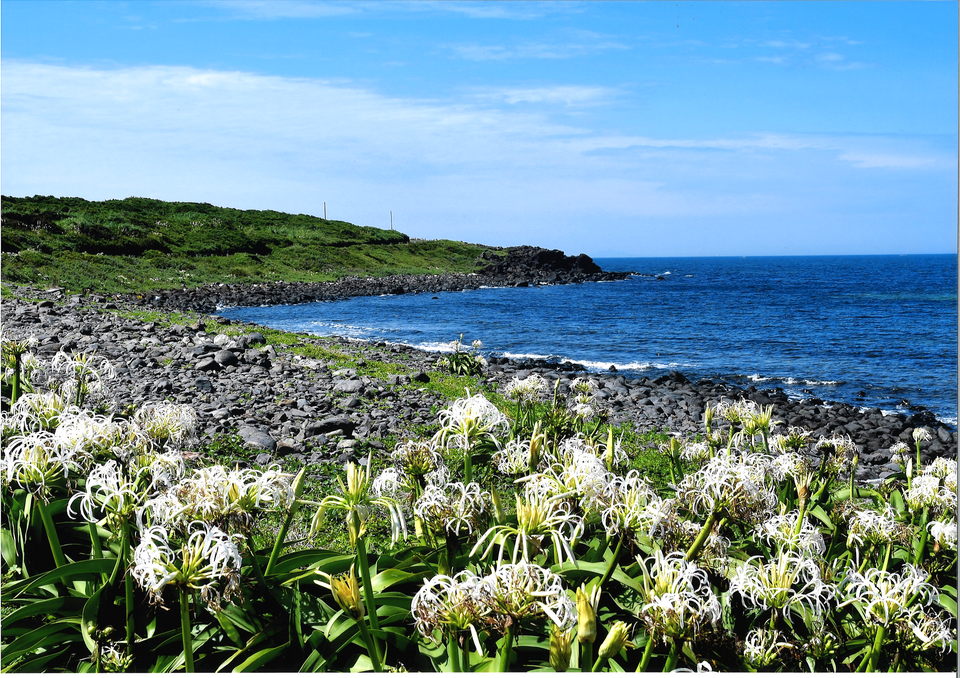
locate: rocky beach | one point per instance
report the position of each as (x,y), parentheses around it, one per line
(284,403)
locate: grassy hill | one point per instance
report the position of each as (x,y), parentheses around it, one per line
(139,244)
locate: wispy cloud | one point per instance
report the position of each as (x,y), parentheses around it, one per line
(283,9)
(464,168)
(568,46)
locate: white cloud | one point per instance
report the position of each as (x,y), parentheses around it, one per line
(461,168)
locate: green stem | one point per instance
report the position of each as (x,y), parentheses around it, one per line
(886,556)
(647,653)
(586,654)
(96,547)
(282,534)
(613,562)
(51,529)
(503,663)
(702,537)
(465,656)
(467,466)
(129,602)
(15,380)
(922,546)
(875,651)
(672,656)
(186,634)
(371,644)
(453,655)
(363,564)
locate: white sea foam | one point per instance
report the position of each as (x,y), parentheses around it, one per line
(793,381)
(598,364)
(433,346)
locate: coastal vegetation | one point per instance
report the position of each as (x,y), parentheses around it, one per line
(141,244)
(517,532)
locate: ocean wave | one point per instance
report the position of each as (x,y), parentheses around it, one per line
(794,381)
(432,346)
(598,364)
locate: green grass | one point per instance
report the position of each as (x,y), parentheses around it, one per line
(139,244)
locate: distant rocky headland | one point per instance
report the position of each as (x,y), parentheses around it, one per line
(519,267)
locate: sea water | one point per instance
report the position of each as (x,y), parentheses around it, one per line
(878,331)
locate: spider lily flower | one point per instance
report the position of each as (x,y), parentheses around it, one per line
(730,484)
(167,422)
(393,483)
(39,411)
(583,386)
(926,492)
(416,457)
(108,495)
(162,469)
(452,605)
(869,526)
(635,508)
(920,434)
(944,532)
(762,648)
(790,580)
(794,440)
(469,420)
(538,518)
(36,461)
(527,591)
(576,472)
(357,500)
(528,389)
(90,434)
(929,631)
(84,374)
(207,560)
(886,597)
(513,458)
(839,452)
(678,594)
(696,453)
(454,509)
(900,453)
(113,659)
(791,465)
(941,467)
(736,412)
(783,531)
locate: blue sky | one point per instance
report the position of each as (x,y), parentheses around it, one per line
(612,128)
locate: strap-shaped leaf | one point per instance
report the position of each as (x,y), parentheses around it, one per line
(68,572)
(260,658)
(41,607)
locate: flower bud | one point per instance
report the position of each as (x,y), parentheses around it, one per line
(587,600)
(615,641)
(346,591)
(560,649)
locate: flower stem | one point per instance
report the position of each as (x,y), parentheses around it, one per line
(613,562)
(15,380)
(467,466)
(128,599)
(922,546)
(875,651)
(503,663)
(647,653)
(186,634)
(51,529)
(672,656)
(371,644)
(453,655)
(465,657)
(282,534)
(363,564)
(586,654)
(702,537)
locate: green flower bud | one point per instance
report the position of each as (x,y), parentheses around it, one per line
(616,640)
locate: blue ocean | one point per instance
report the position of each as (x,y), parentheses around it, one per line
(878,331)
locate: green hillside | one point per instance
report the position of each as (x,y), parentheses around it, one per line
(138,244)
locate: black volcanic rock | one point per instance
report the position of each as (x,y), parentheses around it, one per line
(525,260)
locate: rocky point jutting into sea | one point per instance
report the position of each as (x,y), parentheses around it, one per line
(286,405)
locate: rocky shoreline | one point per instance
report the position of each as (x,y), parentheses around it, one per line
(282,404)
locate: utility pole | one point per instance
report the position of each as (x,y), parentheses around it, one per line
(324,210)
(391,220)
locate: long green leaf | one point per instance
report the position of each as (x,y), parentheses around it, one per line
(68,572)
(41,607)
(260,658)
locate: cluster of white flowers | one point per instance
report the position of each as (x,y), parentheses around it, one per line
(762,647)
(513,457)
(533,387)
(679,599)
(525,590)
(451,605)
(732,483)
(886,597)
(167,422)
(927,492)
(635,508)
(788,582)
(790,531)
(468,420)
(453,508)
(875,527)
(945,533)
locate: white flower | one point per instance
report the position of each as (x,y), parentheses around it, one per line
(791,580)
(899,453)
(679,599)
(583,386)
(873,526)
(696,452)
(789,465)
(782,530)
(761,647)
(84,374)
(944,532)
(35,461)
(524,591)
(476,344)
(39,411)
(529,388)
(921,434)
(889,596)
(416,457)
(468,420)
(167,422)
(926,492)
(453,508)
(932,630)
(941,467)
(635,507)
(207,558)
(451,605)
(513,458)
(730,483)
(107,491)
